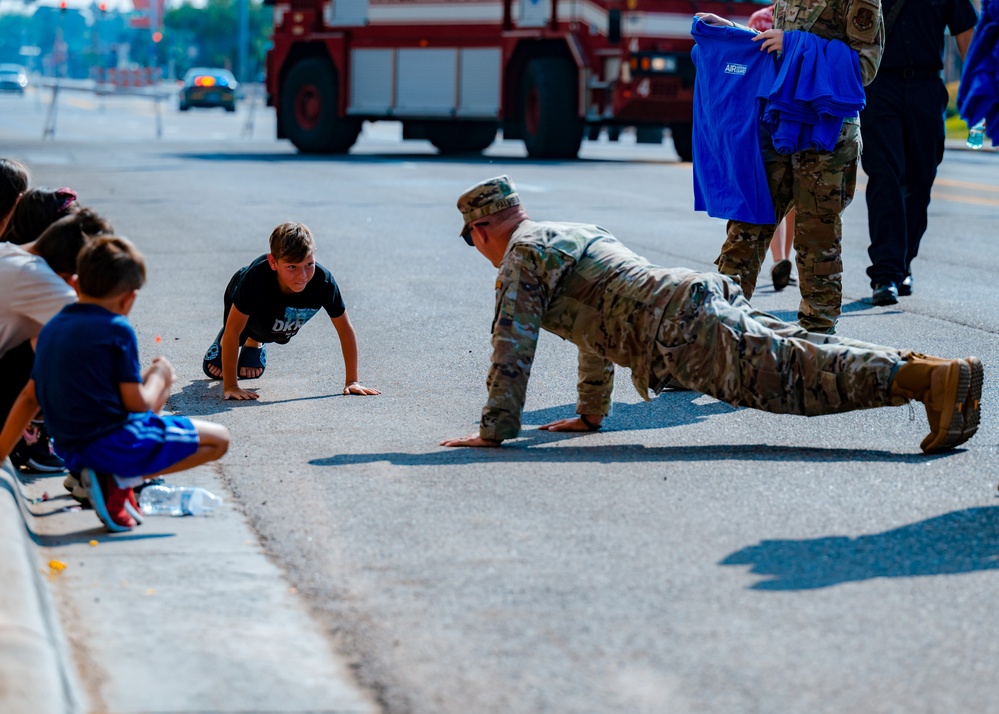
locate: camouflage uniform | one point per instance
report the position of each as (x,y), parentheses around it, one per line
(581,283)
(818,184)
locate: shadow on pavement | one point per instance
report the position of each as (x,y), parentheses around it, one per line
(203,397)
(963,541)
(848,308)
(520,451)
(671,408)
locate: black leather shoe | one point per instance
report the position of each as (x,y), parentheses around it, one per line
(885,294)
(905,287)
(781,274)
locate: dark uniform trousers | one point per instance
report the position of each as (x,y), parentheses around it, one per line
(903,131)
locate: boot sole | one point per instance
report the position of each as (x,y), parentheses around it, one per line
(952,436)
(971,412)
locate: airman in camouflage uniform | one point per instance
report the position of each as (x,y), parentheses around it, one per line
(818,184)
(675,326)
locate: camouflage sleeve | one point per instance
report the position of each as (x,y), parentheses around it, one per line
(595,384)
(521,298)
(865,33)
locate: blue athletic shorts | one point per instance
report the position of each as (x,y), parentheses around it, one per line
(145,445)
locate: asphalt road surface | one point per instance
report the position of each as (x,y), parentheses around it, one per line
(690,557)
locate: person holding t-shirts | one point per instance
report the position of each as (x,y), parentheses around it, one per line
(269,301)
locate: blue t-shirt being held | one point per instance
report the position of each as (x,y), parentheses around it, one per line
(84,353)
(733,76)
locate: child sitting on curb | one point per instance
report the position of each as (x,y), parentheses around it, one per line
(101,408)
(35,284)
(269,301)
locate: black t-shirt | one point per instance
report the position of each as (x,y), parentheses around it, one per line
(276,316)
(916,39)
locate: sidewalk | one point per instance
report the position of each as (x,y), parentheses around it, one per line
(179,615)
(36,673)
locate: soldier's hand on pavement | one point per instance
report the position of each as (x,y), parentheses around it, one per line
(773,40)
(574,424)
(472,440)
(359,389)
(239,394)
(709,18)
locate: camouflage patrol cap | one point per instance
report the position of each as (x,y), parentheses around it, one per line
(485,198)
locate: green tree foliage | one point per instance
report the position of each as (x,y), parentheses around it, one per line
(207,36)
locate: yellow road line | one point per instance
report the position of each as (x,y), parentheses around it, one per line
(966,184)
(962,198)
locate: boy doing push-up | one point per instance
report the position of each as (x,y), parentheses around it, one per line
(269,301)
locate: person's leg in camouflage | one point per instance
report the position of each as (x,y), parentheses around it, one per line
(713,341)
(824,186)
(746,244)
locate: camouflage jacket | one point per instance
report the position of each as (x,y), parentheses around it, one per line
(857,23)
(581,283)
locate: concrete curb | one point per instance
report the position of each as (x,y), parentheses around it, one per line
(36,671)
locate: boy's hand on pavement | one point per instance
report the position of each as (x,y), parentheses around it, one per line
(239,394)
(472,440)
(359,389)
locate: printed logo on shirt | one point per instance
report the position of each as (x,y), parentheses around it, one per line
(733,68)
(294,318)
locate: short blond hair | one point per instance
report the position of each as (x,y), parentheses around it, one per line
(292,242)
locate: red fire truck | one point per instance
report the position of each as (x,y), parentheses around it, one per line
(548,72)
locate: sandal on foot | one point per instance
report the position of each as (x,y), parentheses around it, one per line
(213,357)
(253,358)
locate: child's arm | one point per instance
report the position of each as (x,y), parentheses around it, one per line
(24,410)
(151,395)
(230,356)
(348,343)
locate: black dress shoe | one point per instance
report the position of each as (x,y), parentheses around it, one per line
(781,274)
(885,294)
(905,287)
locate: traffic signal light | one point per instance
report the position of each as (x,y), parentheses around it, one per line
(157,36)
(62,7)
(103,7)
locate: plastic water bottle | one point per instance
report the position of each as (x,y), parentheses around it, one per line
(976,135)
(177,501)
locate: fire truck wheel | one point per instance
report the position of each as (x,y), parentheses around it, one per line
(467,137)
(552,127)
(683,140)
(309,110)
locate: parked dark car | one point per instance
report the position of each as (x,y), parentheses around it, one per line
(13,78)
(205,87)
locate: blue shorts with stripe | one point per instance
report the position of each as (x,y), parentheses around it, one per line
(145,445)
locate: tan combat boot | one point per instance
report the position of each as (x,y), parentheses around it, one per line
(950,389)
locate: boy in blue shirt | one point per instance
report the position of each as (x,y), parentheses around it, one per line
(101,408)
(269,301)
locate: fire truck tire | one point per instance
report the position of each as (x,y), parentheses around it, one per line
(309,110)
(467,137)
(683,140)
(552,127)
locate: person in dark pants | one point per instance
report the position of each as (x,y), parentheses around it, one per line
(902,128)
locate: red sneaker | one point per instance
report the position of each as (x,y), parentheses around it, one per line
(108,500)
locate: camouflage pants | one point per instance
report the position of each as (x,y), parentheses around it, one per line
(713,341)
(819,185)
